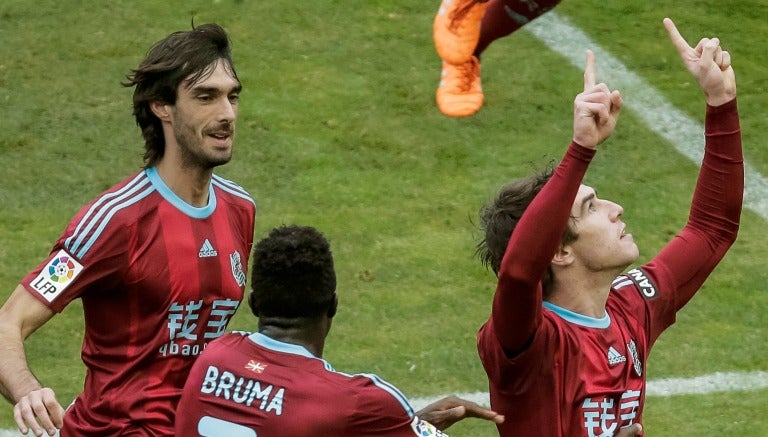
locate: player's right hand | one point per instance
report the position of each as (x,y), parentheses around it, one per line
(595,110)
(39,411)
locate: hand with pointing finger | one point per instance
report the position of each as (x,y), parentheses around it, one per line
(708,63)
(595,110)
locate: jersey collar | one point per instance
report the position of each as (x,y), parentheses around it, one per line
(173,199)
(579,319)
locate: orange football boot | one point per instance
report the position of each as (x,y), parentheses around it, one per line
(460,93)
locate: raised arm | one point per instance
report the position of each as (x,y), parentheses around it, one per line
(715,211)
(517,302)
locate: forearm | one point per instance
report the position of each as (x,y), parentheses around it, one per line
(16,379)
(517,303)
(717,200)
(715,213)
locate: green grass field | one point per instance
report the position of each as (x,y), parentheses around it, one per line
(338,129)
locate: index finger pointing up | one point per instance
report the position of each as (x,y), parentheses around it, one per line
(677,39)
(590,71)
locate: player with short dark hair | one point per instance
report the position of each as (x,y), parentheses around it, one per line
(159,260)
(574,364)
(274,382)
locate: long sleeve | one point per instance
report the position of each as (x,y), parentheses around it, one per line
(517,303)
(686,262)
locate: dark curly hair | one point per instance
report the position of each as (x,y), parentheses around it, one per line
(189,56)
(293,274)
(499,218)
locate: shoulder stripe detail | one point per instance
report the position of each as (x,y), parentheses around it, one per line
(621,282)
(103,209)
(231,188)
(392,390)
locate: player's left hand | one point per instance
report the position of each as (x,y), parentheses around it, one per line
(708,63)
(451,409)
(631,431)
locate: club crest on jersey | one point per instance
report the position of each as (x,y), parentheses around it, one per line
(423,428)
(644,283)
(632,349)
(237,268)
(56,276)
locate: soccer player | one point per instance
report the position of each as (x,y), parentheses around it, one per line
(462,30)
(159,260)
(574,364)
(275,383)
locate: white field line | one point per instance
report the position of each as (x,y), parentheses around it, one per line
(715,383)
(682,132)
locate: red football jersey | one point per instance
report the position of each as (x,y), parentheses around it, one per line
(252,385)
(158,279)
(553,372)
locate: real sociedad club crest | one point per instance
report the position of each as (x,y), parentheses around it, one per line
(632,348)
(237,268)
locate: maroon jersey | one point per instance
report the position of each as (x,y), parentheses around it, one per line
(553,372)
(251,385)
(158,279)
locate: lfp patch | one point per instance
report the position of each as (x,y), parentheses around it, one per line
(56,276)
(422,428)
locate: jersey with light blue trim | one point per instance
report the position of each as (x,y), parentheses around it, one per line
(159,279)
(279,389)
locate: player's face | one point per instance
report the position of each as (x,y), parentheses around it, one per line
(602,242)
(204,118)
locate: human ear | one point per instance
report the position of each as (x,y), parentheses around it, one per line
(161,110)
(563,256)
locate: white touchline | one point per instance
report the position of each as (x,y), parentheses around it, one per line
(682,132)
(714,383)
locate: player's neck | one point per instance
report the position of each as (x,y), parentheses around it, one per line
(190,184)
(584,294)
(310,336)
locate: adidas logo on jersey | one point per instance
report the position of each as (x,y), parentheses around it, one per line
(614,357)
(207,250)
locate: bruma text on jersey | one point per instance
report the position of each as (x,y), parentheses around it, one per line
(240,390)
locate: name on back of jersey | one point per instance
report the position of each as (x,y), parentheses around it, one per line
(226,385)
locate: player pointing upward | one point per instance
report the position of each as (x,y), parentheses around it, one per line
(569,334)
